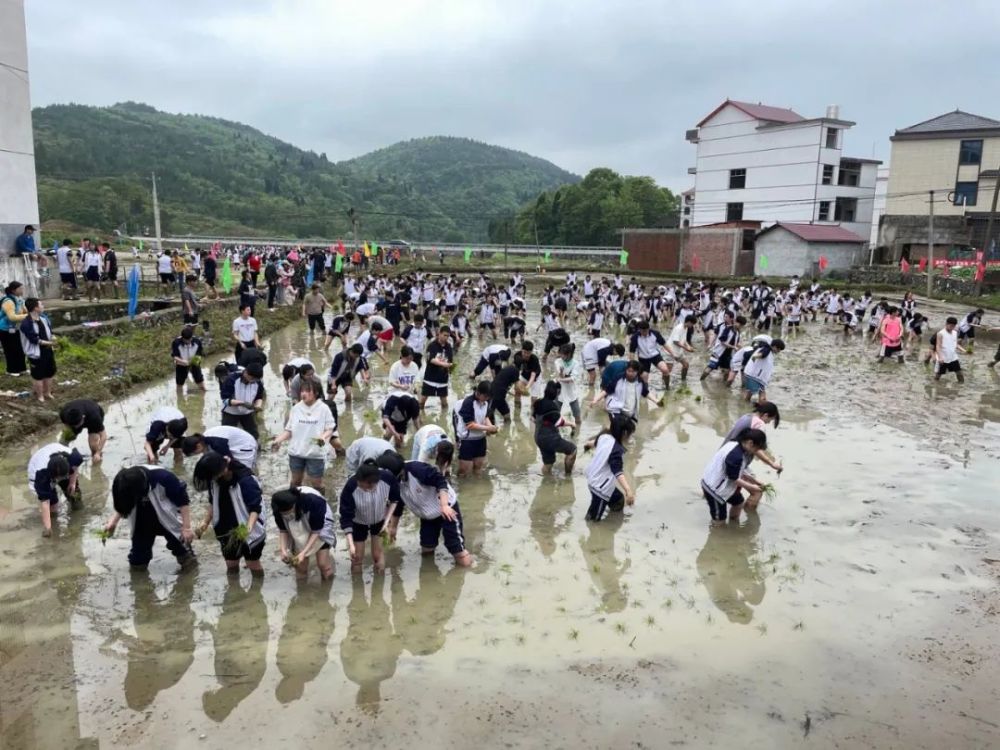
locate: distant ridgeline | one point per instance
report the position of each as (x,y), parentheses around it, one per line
(221,177)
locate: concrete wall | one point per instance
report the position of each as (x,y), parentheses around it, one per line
(788,254)
(878,205)
(919,166)
(18,191)
(896,231)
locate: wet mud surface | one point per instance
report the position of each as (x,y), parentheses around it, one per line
(858,609)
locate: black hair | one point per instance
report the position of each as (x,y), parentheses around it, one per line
(768,409)
(552,390)
(314,386)
(31,303)
(778,344)
(288,372)
(190,444)
(618,349)
(622,426)
(254,370)
(444,452)
(207,470)
(741,320)
(221,371)
(391,462)
(634,364)
(757,437)
(58,467)
(367,473)
(356,349)
(12,287)
(527,346)
(187,332)
(128,488)
(177,427)
(952,319)
(283,501)
(72,416)
(484,388)
(406,351)
(567,350)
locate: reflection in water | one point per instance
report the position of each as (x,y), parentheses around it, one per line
(370,650)
(553,496)
(421,622)
(240,639)
(728,568)
(599,554)
(302,647)
(163,647)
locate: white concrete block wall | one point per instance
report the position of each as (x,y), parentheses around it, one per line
(788,255)
(18,190)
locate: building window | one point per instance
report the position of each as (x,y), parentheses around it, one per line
(687,210)
(966,193)
(824,211)
(734,212)
(831,137)
(749,240)
(846,209)
(737,179)
(970,152)
(827,174)
(850,173)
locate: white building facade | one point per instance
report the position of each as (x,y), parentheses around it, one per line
(18,190)
(768,164)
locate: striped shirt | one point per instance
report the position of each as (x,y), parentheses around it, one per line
(367,507)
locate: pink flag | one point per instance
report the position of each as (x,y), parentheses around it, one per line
(823,263)
(695,262)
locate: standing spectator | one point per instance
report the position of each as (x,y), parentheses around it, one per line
(92,263)
(67,270)
(110,267)
(164,267)
(12,313)
(313,306)
(248,294)
(37,342)
(271,278)
(245,332)
(24,244)
(189,301)
(211,274)
(179,266)
(253,266)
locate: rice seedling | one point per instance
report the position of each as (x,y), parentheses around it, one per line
(195,361)
(620,628)
(668,603)
(650,621)
(519,639)
(67,436)
(574,634)
(800,625)
(236,538)
(770,492)
(762,628)
(104,535)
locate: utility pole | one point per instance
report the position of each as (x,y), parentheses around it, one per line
(156,217)
(930,248)
(989,234)
(353,215)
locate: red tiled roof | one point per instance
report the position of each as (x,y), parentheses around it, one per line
(758,111)
(817,232)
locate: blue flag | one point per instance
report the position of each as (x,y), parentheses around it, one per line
(310,274)
(133,291)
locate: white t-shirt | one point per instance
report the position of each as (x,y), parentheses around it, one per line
(947,346)
(567,369)
(245,328)
(65,262)
(678,335)
(307,423)
(163,264)
(404,375)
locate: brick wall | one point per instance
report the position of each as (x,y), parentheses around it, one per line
(709,252)
(653,249)
(699,251)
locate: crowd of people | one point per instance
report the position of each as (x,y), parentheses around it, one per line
(414,325)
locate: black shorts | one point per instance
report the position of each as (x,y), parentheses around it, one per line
(433,390)
(793,324)
(43,366)
(469,450)
(344,381)
(167,278)
(240,552)
(645,365)
(491,326)
(92,274)
(550,443)
(68,279)
(316,321)
(181,374)
(190,320)
(210,279)
(944,367)
(717,508)
(970,334)
(432,529)
(499,405)
(111,275)
(399,427)
(889,351)
(361,531)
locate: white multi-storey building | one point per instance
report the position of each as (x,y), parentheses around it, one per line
(768,164)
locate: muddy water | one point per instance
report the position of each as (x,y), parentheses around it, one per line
(859,608)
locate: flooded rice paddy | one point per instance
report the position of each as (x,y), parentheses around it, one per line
(859,609)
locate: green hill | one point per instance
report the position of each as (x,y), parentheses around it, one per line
(217,176)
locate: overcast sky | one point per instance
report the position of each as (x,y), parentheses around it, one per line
(578,82)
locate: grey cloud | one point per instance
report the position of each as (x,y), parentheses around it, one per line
(583,84)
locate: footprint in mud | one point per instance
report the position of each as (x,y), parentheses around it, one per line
(871,569)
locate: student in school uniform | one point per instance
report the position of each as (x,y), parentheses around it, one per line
(242,397)
(726,474)
(440,355)
(293,373)
(365,449)
(364,504)
(398,410)
(494,357)
(610,488)
(404,373)
(967,328)
(84,414)
(344,368)
(156,504)
(166,428)
(646,345)
(432,446)
(305,529)
(187,351)
(236,503)
(547,415)
(416,337)
(309,426)
(339,328)
(234,442)
(472,424)
(567,372)
(595,356)
(946,350)
(52,467)
(245,332)
(426,493)
(759,369)
(38,344)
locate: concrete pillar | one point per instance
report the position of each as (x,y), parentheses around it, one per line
(18,189)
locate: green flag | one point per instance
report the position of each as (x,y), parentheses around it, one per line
(140,245)
(623,257)
(548,256)
(468,254)
(227,277)
(762,262)
(338,262)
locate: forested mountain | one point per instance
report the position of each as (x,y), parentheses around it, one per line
(589,212)
(216,176)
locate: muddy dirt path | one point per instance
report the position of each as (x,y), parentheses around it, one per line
(859,610)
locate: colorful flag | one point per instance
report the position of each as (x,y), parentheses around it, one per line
(823,263)
(227,276)
(338,263)
(548,256)
(904,265)
(310,275)
(623,257)
(762,262)
(133,290)
(695,263)
(140,244)
(468,254)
